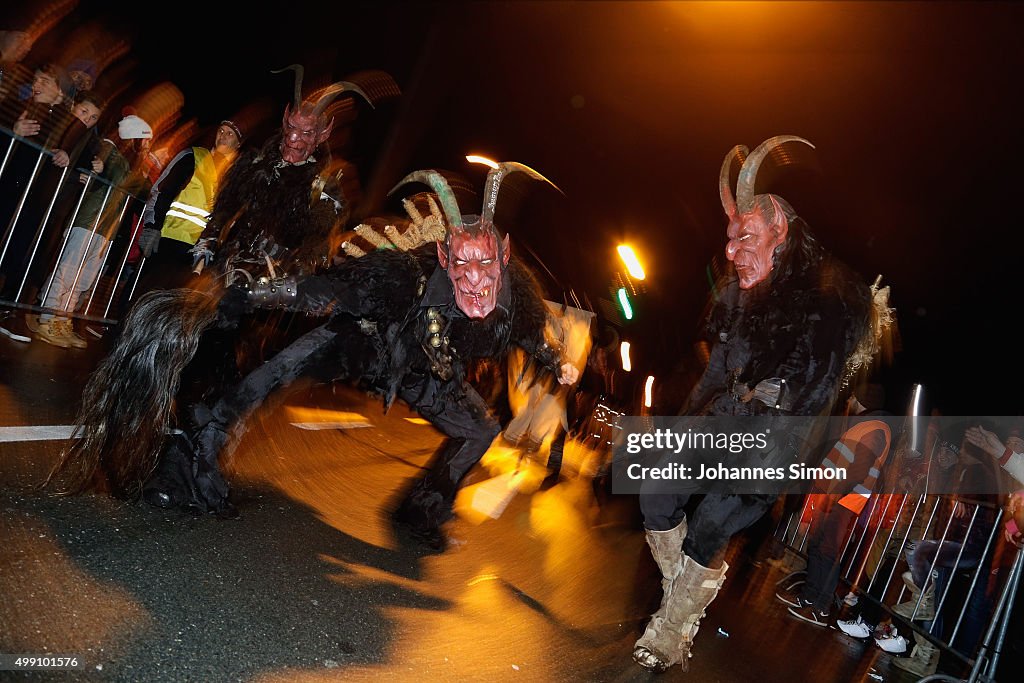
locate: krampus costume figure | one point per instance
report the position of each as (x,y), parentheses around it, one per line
(785,322)
(274,215)
(403,323)
(279,206)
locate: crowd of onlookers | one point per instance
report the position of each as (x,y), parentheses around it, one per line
(923,534)
(89,174)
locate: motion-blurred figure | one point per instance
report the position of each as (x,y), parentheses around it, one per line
(785,322)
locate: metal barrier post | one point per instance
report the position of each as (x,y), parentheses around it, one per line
(887,542)
(1002,617)
(106,252)
(981,563)
(124,262)
(17,212)
(67,236)
(7,155)
(39,234)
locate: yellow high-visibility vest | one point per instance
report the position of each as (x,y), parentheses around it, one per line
(190,210)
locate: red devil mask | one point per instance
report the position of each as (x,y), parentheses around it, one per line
(473,253)
(758,225)
(475,259)
(304,126)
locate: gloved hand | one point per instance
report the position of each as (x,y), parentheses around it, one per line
(149,241)
(202,253)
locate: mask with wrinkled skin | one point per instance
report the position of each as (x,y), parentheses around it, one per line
(753,239)
(474,264)
(302,131)
(758,225)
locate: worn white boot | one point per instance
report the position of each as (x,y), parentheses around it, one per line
(653,649)
(669,636)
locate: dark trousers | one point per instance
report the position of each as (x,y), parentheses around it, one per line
(824,552)
(717,519)
(169,268)
(462,416)
(214,415)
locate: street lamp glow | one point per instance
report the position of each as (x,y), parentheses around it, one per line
(628,256)
(648,390)
(477,159)
(624,350)
(627,310)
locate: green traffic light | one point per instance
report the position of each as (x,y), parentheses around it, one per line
(627,310)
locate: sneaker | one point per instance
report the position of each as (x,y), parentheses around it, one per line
(9,328)
(892,643)
(810,614)
(791,595)
(856,628)
(69,332)
(52,332)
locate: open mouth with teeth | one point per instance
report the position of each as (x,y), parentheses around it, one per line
(475,304)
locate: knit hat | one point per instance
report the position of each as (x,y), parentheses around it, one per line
(132,127)
(233,126)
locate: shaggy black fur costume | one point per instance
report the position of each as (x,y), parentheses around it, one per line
(800,326)
(378,309)
(290,212)
(265,208)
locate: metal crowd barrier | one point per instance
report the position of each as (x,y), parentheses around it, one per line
(915,519)
(96,305)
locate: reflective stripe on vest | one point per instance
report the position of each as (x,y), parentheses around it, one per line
(190,210)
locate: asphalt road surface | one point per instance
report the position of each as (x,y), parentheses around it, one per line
(312,582)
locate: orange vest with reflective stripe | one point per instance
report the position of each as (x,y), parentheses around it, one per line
(845,453)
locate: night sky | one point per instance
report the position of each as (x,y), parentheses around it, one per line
(630,108)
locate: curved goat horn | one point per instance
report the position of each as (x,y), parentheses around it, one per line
(494,178)
(739,152)
(748,173)
(297,68)
(333,91)
(439,184)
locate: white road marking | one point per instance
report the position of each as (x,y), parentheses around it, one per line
(36,433)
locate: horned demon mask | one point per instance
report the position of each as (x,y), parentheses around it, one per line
(304,126)
(473,252)
(758,224)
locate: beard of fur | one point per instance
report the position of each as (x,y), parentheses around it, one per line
(128,400)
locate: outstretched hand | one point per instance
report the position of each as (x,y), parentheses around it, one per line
(985,440)
(569,374)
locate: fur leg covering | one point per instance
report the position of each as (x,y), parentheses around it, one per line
(127,402)
(691,587)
